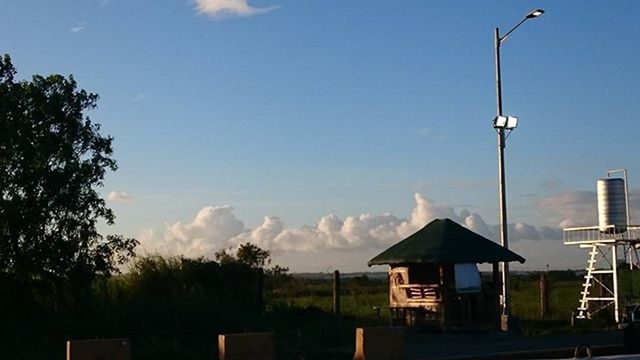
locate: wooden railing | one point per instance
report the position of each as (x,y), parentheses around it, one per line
(419,293)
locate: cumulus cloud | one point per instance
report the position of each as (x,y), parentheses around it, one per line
(228,8)
(208,232)
(119,197)
(216,228)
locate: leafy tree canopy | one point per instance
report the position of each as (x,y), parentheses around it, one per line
(248,254)
(52,159)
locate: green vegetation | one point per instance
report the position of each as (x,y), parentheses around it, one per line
(564,289)
(174,308)
(361,296)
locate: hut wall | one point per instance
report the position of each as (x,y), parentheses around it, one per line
(425,294)
(398,276)
(415,286)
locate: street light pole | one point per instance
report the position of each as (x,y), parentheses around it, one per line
(504,268)
(504,241)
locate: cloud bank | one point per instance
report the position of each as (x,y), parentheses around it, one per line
(229,8)
(215,228)
(346,244)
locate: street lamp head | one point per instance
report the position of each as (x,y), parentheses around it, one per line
(505,122)
(531,15)
(534,14)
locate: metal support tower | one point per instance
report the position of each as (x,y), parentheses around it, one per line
(602,265)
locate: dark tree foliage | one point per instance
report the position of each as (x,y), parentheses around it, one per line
(250,255)
(52,158)
(253,256)
(247,254)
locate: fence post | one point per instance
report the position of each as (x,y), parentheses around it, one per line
(336,293)
(544,296)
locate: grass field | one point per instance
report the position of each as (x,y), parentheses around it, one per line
(364,300)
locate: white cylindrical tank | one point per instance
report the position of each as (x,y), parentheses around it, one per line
(612,207)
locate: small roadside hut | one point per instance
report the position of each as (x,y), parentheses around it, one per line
(433,278)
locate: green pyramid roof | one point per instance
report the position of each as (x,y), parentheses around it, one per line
(445,241)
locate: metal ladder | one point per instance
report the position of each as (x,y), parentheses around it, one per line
(589,279)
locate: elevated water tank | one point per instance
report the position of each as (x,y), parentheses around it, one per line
(612,207)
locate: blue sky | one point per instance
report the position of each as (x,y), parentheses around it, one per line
(318,113)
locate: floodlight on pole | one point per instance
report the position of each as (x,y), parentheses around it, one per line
(501,124)
(505,122)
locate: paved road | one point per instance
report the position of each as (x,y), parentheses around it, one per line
(435,346)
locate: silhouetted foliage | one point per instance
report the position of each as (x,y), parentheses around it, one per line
(223,257)
(248,254)
(253,256)
(52,158)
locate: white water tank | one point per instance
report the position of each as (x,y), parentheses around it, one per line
(612,207)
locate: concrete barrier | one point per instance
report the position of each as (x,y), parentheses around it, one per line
(103,349)
(378,343)
(248,346)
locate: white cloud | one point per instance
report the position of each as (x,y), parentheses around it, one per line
(229,8)
(119,197)
(522,231)
(216,228)
(477,224)
(77,28)
(210,231)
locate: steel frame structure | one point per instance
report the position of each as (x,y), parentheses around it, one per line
(602,265)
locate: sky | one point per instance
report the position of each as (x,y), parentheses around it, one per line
(326,131)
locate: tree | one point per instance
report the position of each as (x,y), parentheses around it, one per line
(253,256)
(224,258)
(247,254)
(52,159)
